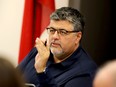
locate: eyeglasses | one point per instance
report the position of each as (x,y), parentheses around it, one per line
(62,32)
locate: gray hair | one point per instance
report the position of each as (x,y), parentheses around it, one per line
(70,14)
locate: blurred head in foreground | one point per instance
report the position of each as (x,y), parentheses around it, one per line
(106,75)
(9,76)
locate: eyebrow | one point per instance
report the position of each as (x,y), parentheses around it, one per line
(57,28)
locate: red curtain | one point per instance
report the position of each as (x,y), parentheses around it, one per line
(35,19)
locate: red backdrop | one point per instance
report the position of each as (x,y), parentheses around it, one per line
(35,19)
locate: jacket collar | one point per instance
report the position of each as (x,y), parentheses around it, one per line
(69,61)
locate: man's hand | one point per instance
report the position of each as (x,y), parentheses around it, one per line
(42,56)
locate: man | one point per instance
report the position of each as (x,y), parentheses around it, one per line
(106,76)
(62,62)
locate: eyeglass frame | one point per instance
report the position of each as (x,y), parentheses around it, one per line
(59,31)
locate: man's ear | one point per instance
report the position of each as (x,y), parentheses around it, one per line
(79,36)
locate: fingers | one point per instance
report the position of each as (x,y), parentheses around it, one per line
(42,55)
(39,44)
(37,56)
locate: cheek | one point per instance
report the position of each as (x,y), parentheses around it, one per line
(68,43)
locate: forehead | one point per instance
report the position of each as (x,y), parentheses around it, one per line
(61,24)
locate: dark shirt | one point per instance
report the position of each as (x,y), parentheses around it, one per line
(76,71)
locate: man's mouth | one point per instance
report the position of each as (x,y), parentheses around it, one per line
(55,44)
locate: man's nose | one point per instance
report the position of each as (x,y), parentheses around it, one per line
(56,34)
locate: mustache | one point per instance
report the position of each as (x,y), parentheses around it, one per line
(55,42)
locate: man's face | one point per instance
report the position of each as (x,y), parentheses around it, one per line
(61,44)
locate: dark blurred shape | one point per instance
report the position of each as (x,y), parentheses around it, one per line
(9,76)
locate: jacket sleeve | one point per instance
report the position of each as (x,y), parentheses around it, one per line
(79,81)
(46,80)
(84,81)
(21,66)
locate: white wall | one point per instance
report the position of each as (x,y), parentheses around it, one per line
(11,13)
(10,27)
